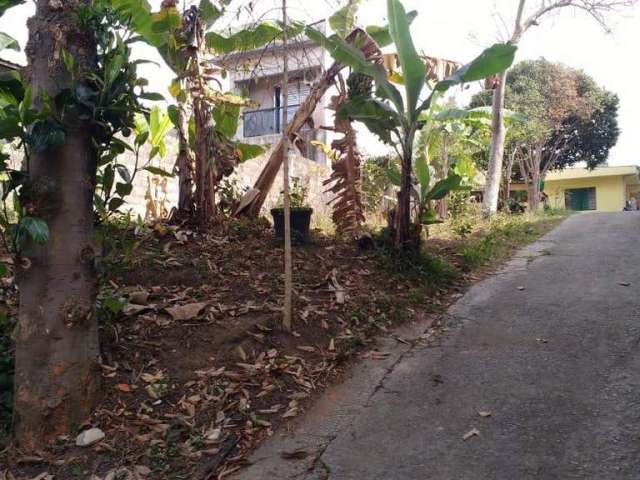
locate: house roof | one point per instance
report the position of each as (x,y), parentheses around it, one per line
(575,173)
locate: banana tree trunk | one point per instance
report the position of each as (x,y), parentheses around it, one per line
(184,164)
(57,350)
(443,210)
(402,234)
(498,133)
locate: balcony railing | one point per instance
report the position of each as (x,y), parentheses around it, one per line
(267,121)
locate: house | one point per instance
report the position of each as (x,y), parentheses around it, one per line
(603,189)
(257,74)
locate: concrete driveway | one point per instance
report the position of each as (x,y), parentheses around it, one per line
(548,350)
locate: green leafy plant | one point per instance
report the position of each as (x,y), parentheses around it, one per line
(298,194)
(393,117)
(229,194)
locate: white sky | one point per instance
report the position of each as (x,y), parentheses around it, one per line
(459,30)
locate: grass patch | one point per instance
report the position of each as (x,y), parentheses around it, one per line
(501,235)
(414,266)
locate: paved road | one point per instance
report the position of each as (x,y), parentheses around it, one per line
(556,363)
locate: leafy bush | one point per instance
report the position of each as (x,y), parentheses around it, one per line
(375,181)
(298,194)
(462,228)
(230,193)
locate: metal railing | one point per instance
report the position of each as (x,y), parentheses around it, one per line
(267,121)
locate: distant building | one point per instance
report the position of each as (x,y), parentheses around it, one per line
(603,189)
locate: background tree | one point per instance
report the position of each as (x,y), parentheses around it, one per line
(569,119)
(599,10)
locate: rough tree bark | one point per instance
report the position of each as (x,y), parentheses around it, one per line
(57,351)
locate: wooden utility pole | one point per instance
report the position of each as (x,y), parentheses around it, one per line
(288,274)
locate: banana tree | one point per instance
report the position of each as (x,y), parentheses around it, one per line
(394,117)
(184,40)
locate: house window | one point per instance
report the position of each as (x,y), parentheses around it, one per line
(269,121)
(580,198)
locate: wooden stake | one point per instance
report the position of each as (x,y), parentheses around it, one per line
(288,274)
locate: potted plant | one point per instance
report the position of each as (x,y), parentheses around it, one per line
(300,213)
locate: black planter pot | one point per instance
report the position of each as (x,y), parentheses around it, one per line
(300,223)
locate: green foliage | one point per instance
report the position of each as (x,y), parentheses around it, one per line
(565,110)
(7,4)
(414,265)
(462,227)
(503,234)
(375,180)
(381,35)
(229,195)
(342,22)
(298,194)
(413,69)
(8,42)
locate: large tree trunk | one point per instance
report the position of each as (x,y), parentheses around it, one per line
(498,133)
(57,353)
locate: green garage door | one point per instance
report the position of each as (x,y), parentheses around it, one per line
(580,198)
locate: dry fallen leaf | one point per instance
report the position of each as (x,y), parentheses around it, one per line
(139,298)
(123,387)
(484,413)
(132,309)
(186,312)
(471,433)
